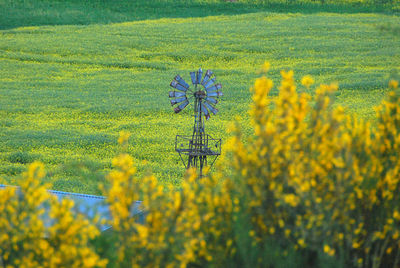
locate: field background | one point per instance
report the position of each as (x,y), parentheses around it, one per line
(75,73)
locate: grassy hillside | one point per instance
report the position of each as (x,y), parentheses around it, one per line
(67,90)
(16,13)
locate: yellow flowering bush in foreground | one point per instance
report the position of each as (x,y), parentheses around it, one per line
(190,225)
(26,240)
(315,178)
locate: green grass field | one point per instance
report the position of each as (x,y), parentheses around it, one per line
(67,89)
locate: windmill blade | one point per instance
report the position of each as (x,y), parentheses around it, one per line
(205,111)
(211,100)
(209,83)
(199,75)
(214,88)
(178,100)
(174,94)
(215,94)
(193,76)
(206,77)
(178,86)
(181,106)
(181,81)
(212,109)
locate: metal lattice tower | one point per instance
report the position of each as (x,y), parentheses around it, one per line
(197,149)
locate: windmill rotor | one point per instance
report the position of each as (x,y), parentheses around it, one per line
(204,95)
(204,90)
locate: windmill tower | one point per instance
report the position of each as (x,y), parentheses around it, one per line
(198,149)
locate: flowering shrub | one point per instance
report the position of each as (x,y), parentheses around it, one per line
(190,225)
(27,240)
(316,179)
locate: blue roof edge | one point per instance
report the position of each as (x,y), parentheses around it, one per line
(92,205)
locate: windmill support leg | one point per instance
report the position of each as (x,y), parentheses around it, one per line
(203,161)
(190,162)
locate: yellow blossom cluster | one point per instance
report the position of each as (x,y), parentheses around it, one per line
(189,225)
(29,238)
(307,81)
(393,84)
(123,137)
(317,179)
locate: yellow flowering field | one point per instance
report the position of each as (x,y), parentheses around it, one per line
(76,73)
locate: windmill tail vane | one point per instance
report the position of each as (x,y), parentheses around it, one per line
(199,149)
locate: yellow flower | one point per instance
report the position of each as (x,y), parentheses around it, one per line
(123,137)
(90,261)
(393,84)
(263,85)
(330,251)
(291,199)
(301,242)
(287,232)
(271,230)
(396,215)
(266,66)
(395,235)
(288,76)
(307,81)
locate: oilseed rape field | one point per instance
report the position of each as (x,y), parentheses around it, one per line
(66,91)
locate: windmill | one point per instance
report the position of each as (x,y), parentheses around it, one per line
(198,149)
